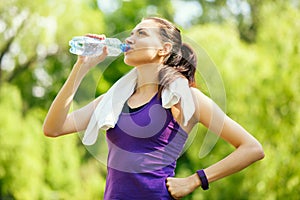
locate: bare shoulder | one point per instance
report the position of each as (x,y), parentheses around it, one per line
(198,92)
(199,97)
(202,103)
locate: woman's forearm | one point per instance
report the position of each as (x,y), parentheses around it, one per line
(60,107)
(242,157)
(236,161)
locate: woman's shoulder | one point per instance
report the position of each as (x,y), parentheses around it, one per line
(200,99)
(202,102)
(198,94)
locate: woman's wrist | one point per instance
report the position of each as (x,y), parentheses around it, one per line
(195,180)
(203,179)
(81,68)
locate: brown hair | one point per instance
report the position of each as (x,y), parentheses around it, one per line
(182,60)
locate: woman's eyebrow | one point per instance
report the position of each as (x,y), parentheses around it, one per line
(137,30)
(140,29)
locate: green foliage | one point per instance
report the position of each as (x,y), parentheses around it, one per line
(262,88)
(34,47)
(260,78)
(35,167)
(20,155)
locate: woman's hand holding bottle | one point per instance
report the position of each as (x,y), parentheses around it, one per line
(88,62)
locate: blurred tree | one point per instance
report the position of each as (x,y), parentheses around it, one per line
(34,50)
(260,75)
(25,170)
(262,89)
(35,167)
(127,14)
(34,62)
(245,13)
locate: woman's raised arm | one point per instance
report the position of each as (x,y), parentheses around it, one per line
(58,121)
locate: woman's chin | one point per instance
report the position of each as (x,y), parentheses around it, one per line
(128,61)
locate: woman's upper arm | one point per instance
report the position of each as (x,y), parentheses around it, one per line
(210,115)
(78,120)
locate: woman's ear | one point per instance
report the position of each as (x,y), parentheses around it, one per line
(166,49)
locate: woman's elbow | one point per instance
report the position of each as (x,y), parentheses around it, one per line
(258,152)
(48,132)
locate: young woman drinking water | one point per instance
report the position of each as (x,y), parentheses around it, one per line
(154,107)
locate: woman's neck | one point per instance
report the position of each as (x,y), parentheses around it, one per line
(147,80)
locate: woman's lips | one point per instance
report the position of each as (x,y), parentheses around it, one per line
(127,52)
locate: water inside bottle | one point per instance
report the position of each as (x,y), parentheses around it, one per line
(89,46)
(84,46)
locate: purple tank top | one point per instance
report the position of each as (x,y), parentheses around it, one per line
(143,149)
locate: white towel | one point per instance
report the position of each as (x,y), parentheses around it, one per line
(109,108)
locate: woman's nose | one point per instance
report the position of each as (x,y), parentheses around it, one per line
(129,40)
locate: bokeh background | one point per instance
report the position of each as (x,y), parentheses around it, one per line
(253,44)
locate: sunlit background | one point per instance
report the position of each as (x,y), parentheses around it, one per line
(251,46)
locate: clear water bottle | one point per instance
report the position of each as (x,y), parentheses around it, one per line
(88,46)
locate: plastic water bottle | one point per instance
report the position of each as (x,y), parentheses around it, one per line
(88,46)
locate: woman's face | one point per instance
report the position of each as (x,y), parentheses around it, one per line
(145,43)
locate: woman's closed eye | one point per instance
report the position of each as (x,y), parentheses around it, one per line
(141,32)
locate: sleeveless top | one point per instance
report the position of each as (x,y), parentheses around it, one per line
(143,149)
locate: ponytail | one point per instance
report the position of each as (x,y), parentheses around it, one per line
(178,64)
(188,63)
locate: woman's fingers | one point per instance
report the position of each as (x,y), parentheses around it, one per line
(96,36)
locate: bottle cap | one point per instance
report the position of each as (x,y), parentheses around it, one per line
(124,47)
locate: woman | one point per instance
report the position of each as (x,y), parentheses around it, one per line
(142,167)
